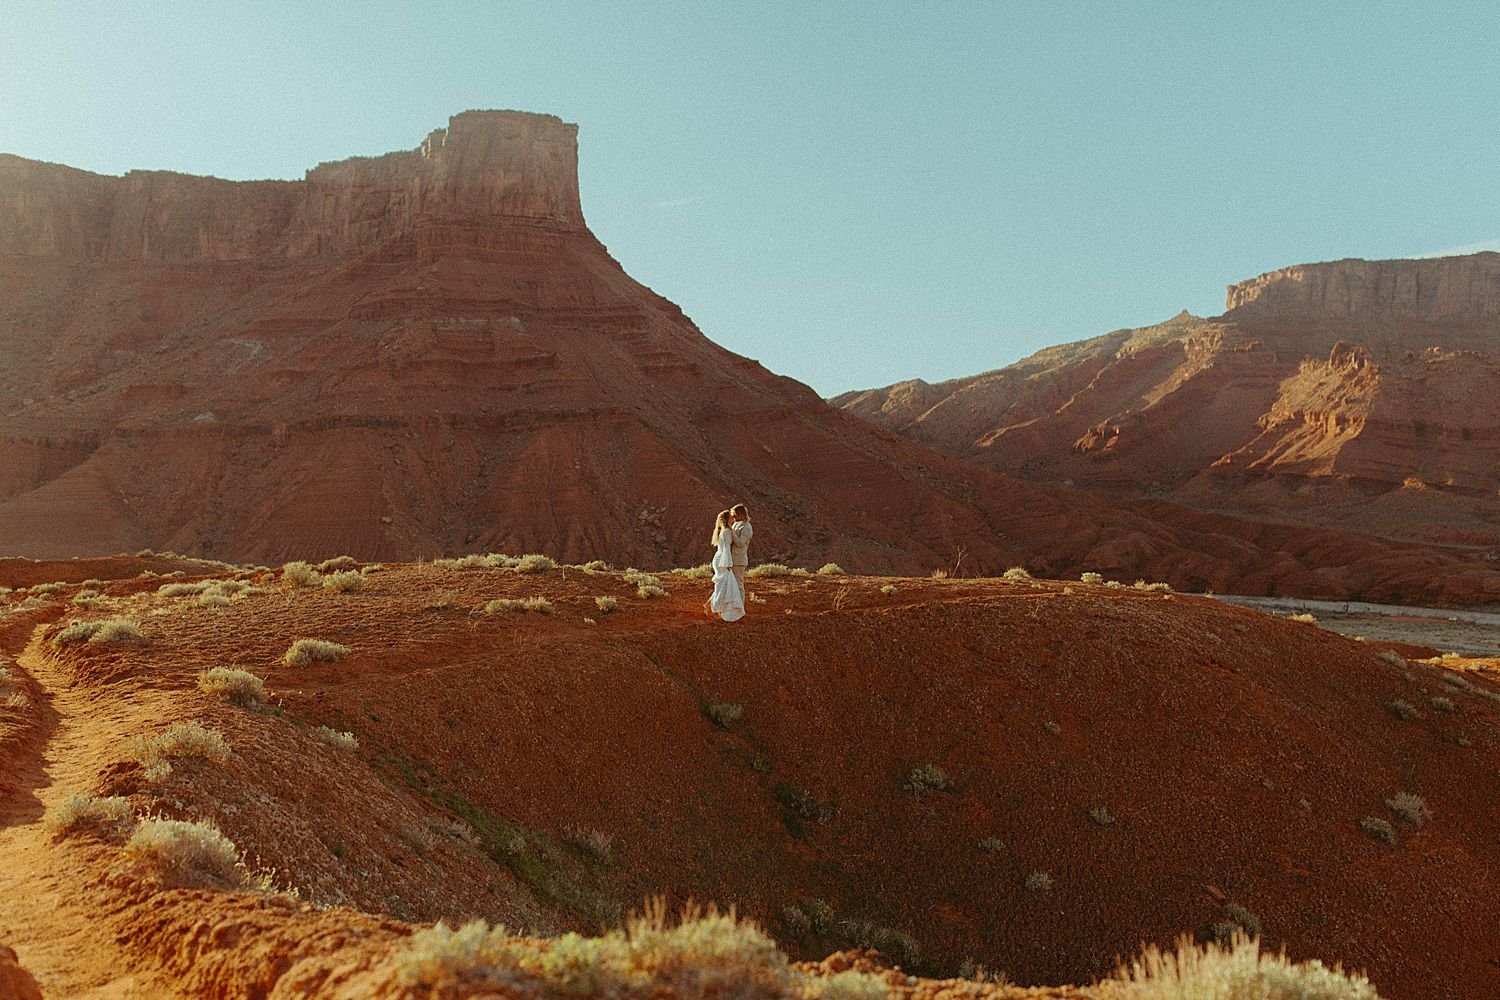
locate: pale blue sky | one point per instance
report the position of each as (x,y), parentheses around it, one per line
(852,193)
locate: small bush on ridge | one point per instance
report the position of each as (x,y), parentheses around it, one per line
(240,687)
(606,604)
(305,651)
(540,605)
(188,853)
(345,581)
(300,574)
(82,810)
(336,739)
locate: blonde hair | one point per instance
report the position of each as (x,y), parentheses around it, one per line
(720,523)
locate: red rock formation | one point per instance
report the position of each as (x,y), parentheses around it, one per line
(429,352)
(1357,394)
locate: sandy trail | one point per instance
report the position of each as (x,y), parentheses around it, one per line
(56,938)
(1469,632)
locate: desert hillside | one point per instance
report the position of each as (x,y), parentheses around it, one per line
(428,353)
(1023,776)
(1354,394)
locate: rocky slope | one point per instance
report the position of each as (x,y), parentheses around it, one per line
(1355,394)
(1032,776)
(429,352)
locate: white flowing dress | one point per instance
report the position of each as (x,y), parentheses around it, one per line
(728,601)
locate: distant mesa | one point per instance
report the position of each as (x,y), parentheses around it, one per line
(1320,397)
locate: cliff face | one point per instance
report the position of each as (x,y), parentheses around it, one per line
(1441,289)
(486,166)
(1352,394)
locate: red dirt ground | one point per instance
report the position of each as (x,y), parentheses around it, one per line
(1236,752)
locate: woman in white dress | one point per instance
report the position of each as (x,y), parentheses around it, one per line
(727,600)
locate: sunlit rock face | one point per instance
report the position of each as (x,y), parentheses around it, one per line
(1353,394)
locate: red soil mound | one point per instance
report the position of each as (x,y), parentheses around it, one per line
(1155,756)
(1358,395)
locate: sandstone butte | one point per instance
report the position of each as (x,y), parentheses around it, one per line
(1122,767)
(1362,395)
(428,353)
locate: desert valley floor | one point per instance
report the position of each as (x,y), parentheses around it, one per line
(1028,776)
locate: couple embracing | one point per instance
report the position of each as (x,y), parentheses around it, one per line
(731,542)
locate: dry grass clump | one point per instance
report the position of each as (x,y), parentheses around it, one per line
(305,651)
(183,740)
(594,566)
(238,687)
(888,589)
(775,570)
(1441,704)
(1239,971)
(47,588)
(1378,829)
(1401,710)
(300,574)
(337,563)
(1101,816)
(1392,657)
(98,632)
(1016,573)
(647,591)
(492,560)
(991,845)
(183,589)
(82,811)
(927,778)
(716,953)
(701,572)
(187,853)
(831,569)
(336,739)
(540,605)
(1155,588)
(1411,808)
(344,581)
(723,713)
(1039,882)
(1091,578)
(1304,618)
(533,562)
(595,843)
(606,604)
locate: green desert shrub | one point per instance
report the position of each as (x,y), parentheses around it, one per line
(337,563)
(239,687)
(187,853)
(647,591)
(1016,573)
(695,572)
(300,574)
(82,811)
(1240,971)
(336,739)
(183,740)
(540,605)
(595,566)
(1157,588)
(305,651)
(214,600)
(47,588)
(344,581)
(888,589)
(831,569)
(1092,578)
(534,563)
(606,604)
